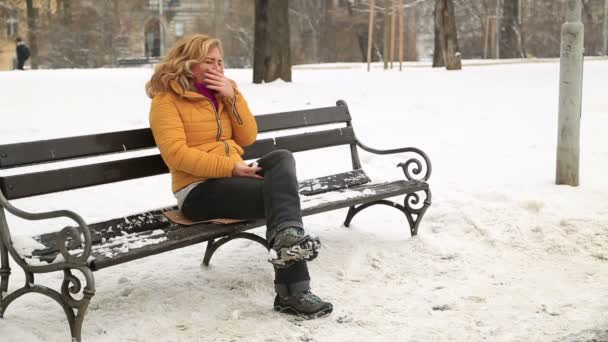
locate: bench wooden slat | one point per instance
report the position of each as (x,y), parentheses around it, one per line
(52,150)
(315,140)
(375,192)
(303,118)
(44,182)
(155,219)
(333,182)
(181,236)
(301,142)
(105,231)
(29,153)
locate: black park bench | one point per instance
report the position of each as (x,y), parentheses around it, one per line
(88,247)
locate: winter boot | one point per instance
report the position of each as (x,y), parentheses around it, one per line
(291,245)
(303,304)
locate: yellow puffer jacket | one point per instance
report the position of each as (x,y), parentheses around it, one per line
(196,141)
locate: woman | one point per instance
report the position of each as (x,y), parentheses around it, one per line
(200,121)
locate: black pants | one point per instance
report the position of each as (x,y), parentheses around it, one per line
(274,198)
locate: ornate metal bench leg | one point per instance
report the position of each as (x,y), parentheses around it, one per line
(352,211)
(209,252)
(76,324)
(410,204)
(213,245)
(74,309)
(77,307)
(5,270)
(408,209)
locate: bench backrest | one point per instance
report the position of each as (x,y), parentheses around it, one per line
(68,178)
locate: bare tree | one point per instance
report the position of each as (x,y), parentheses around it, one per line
(410,51)
(511,42)
(358,19)
(543,19)
(393,28)
(307,20)
(370,36)
(387,34)
(70,33)
(32,23)
(476,27)
(446,37)
(271,57)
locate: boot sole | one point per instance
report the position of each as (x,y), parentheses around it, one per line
(290,310)
(305,250)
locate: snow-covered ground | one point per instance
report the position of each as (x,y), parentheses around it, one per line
(503,254)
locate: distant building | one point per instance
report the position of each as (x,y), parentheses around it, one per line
(13,25)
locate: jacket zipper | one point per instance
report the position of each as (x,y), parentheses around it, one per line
(236,113)
(217,119)
(219,128)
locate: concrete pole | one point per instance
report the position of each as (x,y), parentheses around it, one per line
(370,33)
(570,96)
(161,30)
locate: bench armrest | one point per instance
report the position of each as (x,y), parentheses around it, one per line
(67,238)
(413,165)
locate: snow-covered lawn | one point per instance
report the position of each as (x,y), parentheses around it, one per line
(503,254)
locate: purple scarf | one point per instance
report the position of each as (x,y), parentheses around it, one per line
(206,92)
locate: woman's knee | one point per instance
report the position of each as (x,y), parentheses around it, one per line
(282,156)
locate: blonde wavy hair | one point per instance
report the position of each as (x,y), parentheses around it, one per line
(177,64)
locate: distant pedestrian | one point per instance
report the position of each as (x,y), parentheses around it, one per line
(23,53)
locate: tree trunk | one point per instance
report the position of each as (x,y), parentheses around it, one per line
(362,31)
(411,54)
(32,23)
(522,28)
(510,34)
(327,26)
(271,57)
(370,33)
(387,33)
(438,61)
(401,28)
(446,38)
(393,28)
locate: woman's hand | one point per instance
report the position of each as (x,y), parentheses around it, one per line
(215,80)
(241,169)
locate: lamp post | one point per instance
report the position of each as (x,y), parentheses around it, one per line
(570,96)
